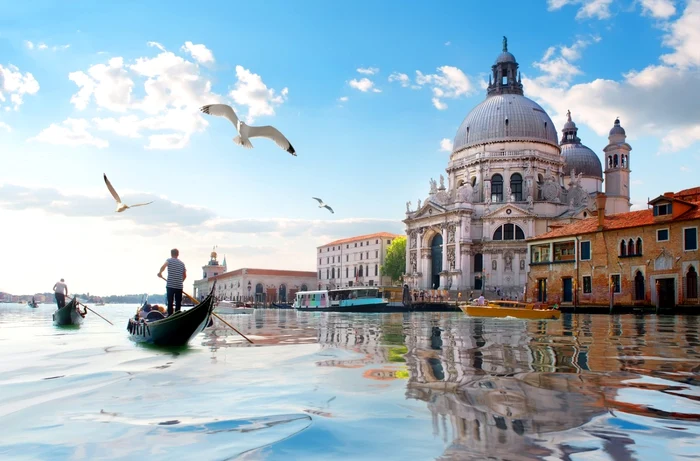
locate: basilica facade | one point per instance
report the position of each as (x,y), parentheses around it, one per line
(510,177)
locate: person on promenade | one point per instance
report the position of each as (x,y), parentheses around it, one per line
(60,291)
(177,273)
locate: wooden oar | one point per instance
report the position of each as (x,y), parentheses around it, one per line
(218,317)
(91,310)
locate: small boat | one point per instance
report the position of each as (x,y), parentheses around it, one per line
(69,314)
(515,309)
(282,306)
(351,299)
(173,330)
(33,303)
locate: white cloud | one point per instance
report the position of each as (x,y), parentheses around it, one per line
(5,127)
(451,83)
(368,70)
(29,44)
(556,64)
(251,91)
(446,145)
(684,36)
(343,99)
(15,84)
(71,132)
(43,46)
(599,9)
(364,84)
(173,89)
(403,79)
(661,9)
(200,53)
(658,100)
(448,43)
(685,169)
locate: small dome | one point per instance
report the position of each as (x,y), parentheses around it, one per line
(617,129)
(213,255)
(582,159)
(569,125)
(506,56)
(505,117)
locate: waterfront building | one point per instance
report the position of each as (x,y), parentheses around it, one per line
(353,261)
(509,178)
(251,284)
(647,257)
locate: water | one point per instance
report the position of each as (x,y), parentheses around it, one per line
(352,387)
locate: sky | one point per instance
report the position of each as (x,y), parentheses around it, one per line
(369,93)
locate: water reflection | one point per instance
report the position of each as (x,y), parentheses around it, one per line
(504,389)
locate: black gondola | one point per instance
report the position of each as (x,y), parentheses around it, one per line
(174,330)
(68,314)
(33,303)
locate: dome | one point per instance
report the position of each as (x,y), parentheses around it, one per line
(505,57)
(505,117)
(582,159)
(617,129)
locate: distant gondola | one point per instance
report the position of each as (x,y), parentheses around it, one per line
(174,330)
(33,303)
(68,314)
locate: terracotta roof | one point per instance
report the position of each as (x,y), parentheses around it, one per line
(270,272)
(618,221)
(362,237)
(689,195)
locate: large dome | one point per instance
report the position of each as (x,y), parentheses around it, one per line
(582,159)
(505,117)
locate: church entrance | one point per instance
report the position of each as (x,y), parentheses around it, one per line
(436,261)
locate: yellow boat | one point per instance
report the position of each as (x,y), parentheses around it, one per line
(515,309)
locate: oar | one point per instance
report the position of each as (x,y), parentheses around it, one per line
(87,308)
(218,317)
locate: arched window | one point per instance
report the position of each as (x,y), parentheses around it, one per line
(360,274)
(497,188)
(282,293)
(615,160)
(609,161)
(516,187)
(304,287)
(259,288)
(333,273)
(473,181)
(540,183)
(691,283)
(376,270)
(639,247)
(639,286)
(623,248)
(509,232)
(630,248)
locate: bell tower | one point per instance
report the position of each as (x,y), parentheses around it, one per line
(213,268)
(617,171)
(505,78)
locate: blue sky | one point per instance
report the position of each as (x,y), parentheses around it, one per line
(75,105)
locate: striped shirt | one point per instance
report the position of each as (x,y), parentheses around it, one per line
(176,270)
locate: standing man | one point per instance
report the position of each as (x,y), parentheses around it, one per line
(60,291)
(176,275)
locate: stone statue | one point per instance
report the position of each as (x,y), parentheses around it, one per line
(442,182)
(505,44)
(408,206)
(451,229)
(508,193)
(414,265)
(451,257)
(568,115)
(530,204)
(508,258)
(522,264)
(494,265)
(418,205)
(413,239)
(528,171)
(433,186)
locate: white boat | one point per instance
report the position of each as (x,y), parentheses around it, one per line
(350,299)
(231,307)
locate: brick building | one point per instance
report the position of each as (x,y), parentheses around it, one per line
(648,257)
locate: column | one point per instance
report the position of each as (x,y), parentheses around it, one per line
(443,278)
(457,283)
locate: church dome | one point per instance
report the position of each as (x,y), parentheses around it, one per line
(505,57)
(617,129)
(505,117)
(582,159)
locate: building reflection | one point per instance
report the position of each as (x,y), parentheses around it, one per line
(509,389)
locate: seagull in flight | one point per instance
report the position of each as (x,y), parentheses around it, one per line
(323,205)
(247,131)
(120,206)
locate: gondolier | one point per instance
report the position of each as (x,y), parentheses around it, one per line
(177,273)
(60,290)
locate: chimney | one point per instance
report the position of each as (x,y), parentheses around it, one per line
(600,204)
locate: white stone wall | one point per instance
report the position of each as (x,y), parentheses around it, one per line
(346,258)
(235,287)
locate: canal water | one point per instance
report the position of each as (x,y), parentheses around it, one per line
(320,386)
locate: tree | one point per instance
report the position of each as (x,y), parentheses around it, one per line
(395,263)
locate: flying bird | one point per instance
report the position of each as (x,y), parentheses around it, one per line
(323,205)
(246,131)
(120,206)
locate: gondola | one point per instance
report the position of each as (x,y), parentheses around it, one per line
(68,314)
(174,330)
(33,303)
